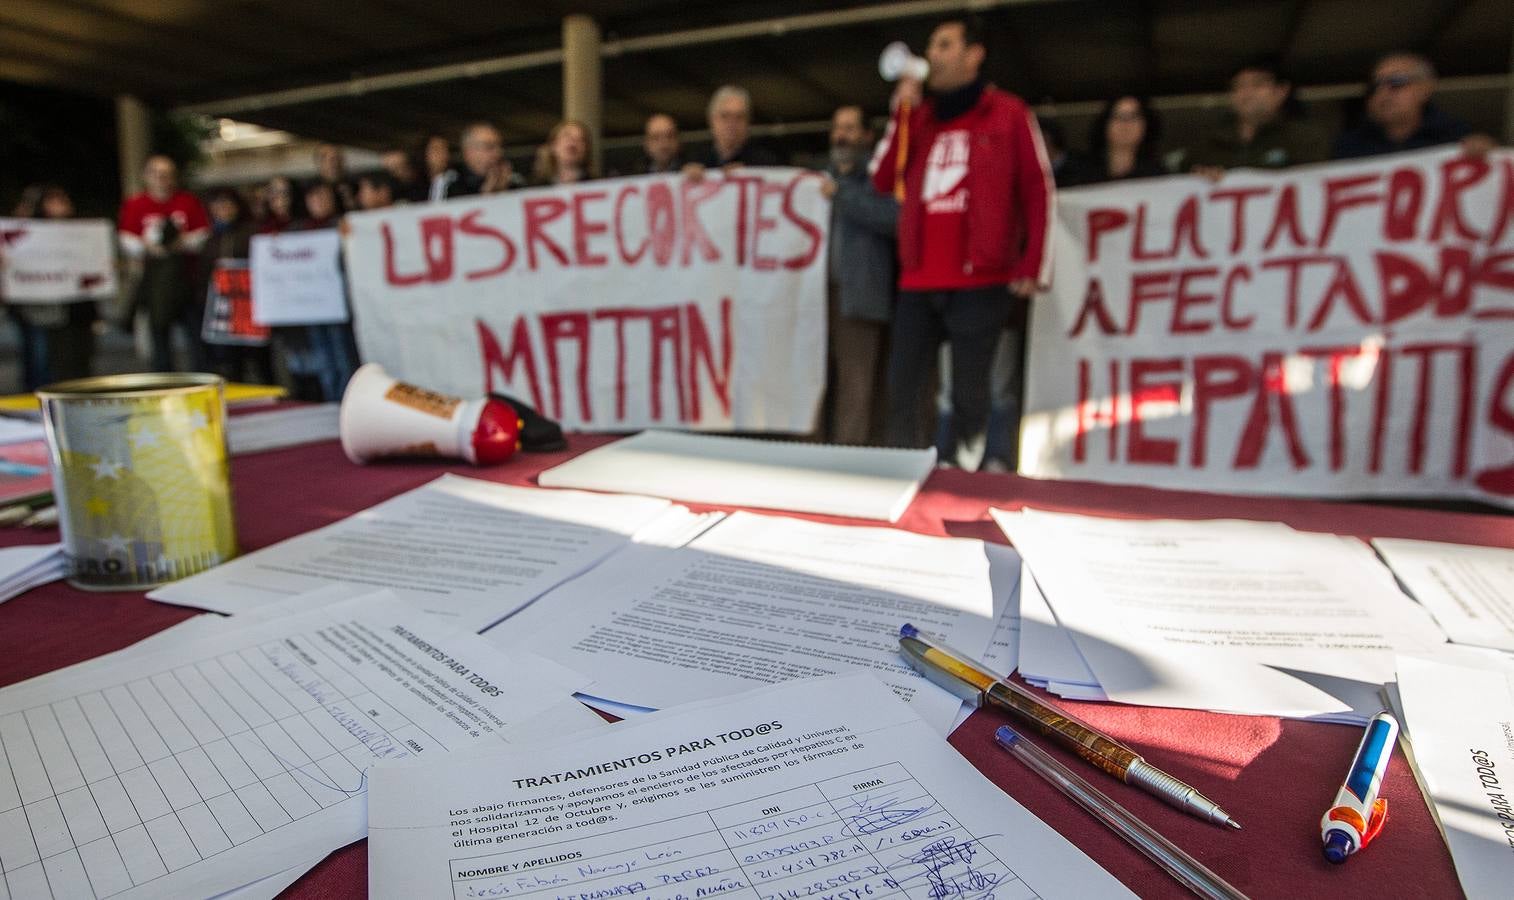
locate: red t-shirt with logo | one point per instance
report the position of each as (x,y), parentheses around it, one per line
(943,194)
(142,216)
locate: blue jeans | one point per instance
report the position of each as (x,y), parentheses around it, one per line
(36,368)
(320,357)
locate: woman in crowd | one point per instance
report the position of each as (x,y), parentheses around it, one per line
(231,232)
(566,157)
(57,339)
(283,206)
(319,358)
(1123,142)
(322,209)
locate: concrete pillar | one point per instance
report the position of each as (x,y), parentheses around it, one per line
(133,141)
(581,85)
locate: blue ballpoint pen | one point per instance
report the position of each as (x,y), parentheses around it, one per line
(1357,814)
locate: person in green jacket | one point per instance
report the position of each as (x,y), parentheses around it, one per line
(1263,129)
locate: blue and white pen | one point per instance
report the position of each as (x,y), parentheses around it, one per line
(1357,814)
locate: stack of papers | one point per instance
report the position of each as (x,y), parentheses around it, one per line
(1457,712)
(23,568)
(275,429)
(233,756)
(1469,590)
(759,599)
(19,431)
(1232,616)
(469,551)
(823,787)
(861,482)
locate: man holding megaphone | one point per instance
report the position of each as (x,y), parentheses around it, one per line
(976,196)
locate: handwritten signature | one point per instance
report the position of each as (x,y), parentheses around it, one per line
(876,813)
(378,742)
(947,866)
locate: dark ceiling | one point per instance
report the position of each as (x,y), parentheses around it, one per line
(177,52)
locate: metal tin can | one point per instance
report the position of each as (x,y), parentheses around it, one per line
(140,477)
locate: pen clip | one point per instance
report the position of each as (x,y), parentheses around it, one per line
(1375,824)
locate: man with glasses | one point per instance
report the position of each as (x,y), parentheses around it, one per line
(485,169)
(1401,114)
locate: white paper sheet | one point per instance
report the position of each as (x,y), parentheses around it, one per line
(1047,651)
(48,260)
(1246,617)
(23,568)
(826,786)
(1469,590)
(1005,571)
(1003,653)
(864,482)
(1460,721)
(759,599)
(20,431)
(297,278)
(222,760)
(210,624)
(467,550)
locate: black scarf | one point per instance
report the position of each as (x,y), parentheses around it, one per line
(951,104)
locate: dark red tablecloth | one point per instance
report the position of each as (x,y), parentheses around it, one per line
(1275,776)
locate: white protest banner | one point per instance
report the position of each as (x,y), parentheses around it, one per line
(45,261)
(297,278)
(612,305)
(1343,329)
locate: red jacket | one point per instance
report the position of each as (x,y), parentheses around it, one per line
(1007,222)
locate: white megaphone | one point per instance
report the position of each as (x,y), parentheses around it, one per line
(383,417)
(897,62)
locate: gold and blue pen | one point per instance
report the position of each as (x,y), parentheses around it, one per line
(976,684)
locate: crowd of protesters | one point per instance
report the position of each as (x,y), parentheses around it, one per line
(935,249)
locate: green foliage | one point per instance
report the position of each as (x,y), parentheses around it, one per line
(179,137)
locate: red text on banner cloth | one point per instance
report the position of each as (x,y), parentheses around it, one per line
(656,224)
(1184,280)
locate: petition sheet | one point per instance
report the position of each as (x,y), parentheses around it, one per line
(822,787)
(1048,654)
(466,550)
(1469,590)
(1003,652)
(235,754)
(1460,721)
(1232,616)
(760,599)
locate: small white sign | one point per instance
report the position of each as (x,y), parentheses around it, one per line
(48,261)
(297,279)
